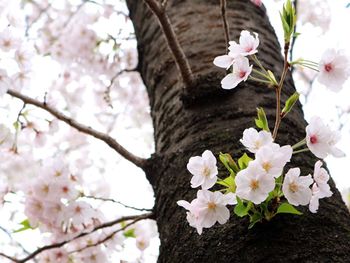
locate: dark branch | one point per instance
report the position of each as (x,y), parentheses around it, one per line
(224,21)
(140,162)
(172,41)
(60,244)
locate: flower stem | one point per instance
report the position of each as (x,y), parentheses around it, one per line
(301,151)
(279,90)
(299,144)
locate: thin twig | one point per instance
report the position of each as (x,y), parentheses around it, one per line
(224,22)
(111,235)
(135,218)
(107,95)
(172,41)
(140,162)
(279,90)
(12,240)
(117,202)
(10,258)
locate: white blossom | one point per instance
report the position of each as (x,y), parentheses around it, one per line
(248,44)
(224,61)
(9,40)
(334,69)
(208,208)
(321,140)
(321,178)
(204,170)
(314,202)
(254,140)
(193,215)
(272,158)
(240,72)
(254,184)
(296,188)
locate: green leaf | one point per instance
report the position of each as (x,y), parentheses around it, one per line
(130,233)
(240,209)
(288,18)
(272,77)
(296,34)
(228,182)
(228,162)
(244,161)
(255,218)
(286,208)
(290,103)
(262,122)
(25,226)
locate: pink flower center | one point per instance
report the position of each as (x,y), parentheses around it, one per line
(313,139)
(328,67)
(242,74)
(248,49)
(65,189)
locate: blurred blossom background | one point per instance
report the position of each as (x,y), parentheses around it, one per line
(79,56)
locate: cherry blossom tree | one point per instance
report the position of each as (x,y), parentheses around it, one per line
(57,143)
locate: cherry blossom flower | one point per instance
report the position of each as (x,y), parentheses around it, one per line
(296,188)
(208,208)
(314,201)
(34,210)
(57,255)
(23,57)
(224,61)
(192,216)
(80,212)
(248,44)
(334,69)
(321,140)
(203,169)
(8,40)
(240,72)
(254,184)
(142,242)
(272,158)
(321,178)
(144,231)
(254,140)
(212,206)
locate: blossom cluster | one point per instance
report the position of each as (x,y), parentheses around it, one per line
(333,68)
(255,181)
(259,184)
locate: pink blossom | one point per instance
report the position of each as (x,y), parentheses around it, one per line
(334,69)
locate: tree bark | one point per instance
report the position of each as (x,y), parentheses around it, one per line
(203,116)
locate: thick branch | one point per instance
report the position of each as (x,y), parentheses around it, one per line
(140,162)
(172,41)
(57,245)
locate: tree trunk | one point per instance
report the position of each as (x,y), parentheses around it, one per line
(203,116)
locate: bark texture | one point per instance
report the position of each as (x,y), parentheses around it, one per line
(186,122)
